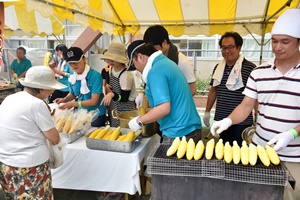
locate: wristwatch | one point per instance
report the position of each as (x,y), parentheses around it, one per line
(140,123)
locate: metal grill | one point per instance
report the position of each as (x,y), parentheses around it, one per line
(260,174)
(160,164)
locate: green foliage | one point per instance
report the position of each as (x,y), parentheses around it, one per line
(202,85)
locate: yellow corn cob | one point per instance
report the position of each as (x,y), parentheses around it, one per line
(209,149)
(75,125)
(142,111)
(115,134)
(199,150)
(102,132)
(263,156)
(108,132)
(95,132)
(236,152)
(252,154)
(245,153)
(182,148)
(68,123)
(190,149)
(129,136)
(121,137)
(219,149)
(227,153)
(60,123)
(273,156)
(174,147)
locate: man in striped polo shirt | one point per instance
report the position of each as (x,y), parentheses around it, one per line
(276,87)
(227,84)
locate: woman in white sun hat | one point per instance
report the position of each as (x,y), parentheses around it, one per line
(25,125)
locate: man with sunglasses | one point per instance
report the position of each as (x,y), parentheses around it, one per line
(228,81)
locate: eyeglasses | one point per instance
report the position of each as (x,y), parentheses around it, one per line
(229,48)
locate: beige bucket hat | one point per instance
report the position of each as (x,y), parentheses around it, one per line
(117,52)
(41,77)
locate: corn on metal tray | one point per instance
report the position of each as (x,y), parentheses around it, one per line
(112,145)
(71,137)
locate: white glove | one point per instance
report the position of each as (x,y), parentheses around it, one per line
(281,140)
(139,100)
(133,125)
(206,119)
(220,126)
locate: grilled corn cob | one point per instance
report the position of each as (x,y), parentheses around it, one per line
(68,123)
(190,149)
(273,156)
(115,134)
(182,148)
(252,154)
(219,149)
(129,136)
(227,153)
(102,132)
(174,147)
(245,153)
(209,149)
(263,156)
(95,132)
(199,150)
(60,123)
(236,152)
(121,137)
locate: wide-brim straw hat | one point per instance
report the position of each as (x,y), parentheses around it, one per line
(41,77)
(117,52)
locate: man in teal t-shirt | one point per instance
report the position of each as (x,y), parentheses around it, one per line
(20,65)
(168,94)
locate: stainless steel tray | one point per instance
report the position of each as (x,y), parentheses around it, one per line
(112,145)
(71,137)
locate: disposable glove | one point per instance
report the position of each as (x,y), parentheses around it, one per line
(220,126)
(281,140)
(133,125)
(206,119)
(139,100)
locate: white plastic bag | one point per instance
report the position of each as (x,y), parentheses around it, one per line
(56,153)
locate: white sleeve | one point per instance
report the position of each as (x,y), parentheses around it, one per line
(127,81)
(186,67)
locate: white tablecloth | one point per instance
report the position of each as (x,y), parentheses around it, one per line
(96,170)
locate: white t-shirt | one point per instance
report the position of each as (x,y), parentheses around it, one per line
(23,118)
(186,67)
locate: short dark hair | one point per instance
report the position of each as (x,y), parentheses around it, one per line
(146,49)
(63,48)
(22,49)
(237,38)
(156,35)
